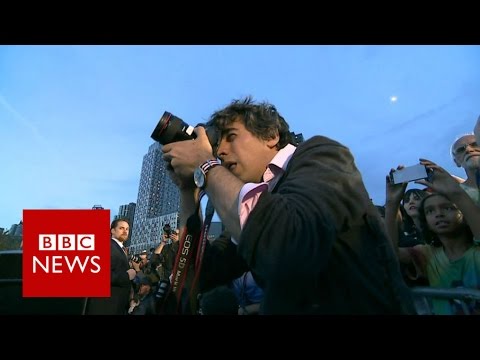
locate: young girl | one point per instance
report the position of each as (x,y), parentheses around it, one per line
(450,222)
(451,258)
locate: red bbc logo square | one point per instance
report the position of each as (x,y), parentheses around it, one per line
(66,253)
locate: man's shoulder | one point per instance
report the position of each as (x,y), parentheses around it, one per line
(319,140)
(320,144)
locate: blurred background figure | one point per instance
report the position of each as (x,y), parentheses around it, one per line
(121,275)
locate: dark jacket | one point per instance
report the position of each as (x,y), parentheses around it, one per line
(316,243)
(120,284)
(221,263)
(166,258)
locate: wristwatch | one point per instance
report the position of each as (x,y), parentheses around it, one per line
(200,173)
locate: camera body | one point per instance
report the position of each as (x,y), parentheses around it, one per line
(135,258)
(408,174)
(171,128)
(167,230)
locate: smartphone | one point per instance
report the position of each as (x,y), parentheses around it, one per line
(407,174)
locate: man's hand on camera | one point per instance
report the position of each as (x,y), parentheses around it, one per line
(174,236)
(135,266)
(184,156)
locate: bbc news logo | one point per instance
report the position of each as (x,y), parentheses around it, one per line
(56,264)
(66,253)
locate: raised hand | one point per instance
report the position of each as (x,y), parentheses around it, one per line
(394,192)
(439,179)
(183,157)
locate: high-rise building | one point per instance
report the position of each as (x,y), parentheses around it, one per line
(16,229)
(216,228)
(127,211)
(158,202)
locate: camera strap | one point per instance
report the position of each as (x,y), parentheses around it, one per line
(209,211)
(192,241)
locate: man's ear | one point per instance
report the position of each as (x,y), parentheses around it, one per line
(456,162)
(273,142)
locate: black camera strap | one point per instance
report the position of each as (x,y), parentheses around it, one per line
(192,241)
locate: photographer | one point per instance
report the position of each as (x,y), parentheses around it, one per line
(163,257)
(143,302)
(136,263)
(301,216)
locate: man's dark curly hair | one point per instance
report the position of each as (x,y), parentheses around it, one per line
(261,119)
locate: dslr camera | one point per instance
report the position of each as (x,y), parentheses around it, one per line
(171,128)
(135,258)
(167,230)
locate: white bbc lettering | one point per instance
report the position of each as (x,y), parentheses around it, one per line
(76,260)
(36,261)
(47,242)
(92,260)
(66,242)
(85,242)
(55,264)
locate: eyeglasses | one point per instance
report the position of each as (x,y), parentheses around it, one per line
(461,149)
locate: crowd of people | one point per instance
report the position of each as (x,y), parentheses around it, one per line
(301,233)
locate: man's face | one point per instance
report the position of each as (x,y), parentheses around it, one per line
(120,232)
(245,155)
(466,152)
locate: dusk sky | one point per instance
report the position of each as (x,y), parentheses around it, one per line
(76,120)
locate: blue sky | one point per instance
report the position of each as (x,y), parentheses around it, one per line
(76,120)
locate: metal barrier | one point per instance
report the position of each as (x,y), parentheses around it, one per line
(12,301)
(421,294)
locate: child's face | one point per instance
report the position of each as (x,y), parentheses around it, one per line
(442,215)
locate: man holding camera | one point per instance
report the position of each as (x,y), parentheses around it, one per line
(301,216)
(164,254)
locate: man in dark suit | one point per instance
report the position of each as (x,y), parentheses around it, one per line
(301,215)
(121,275)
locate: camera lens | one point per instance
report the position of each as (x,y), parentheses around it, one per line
(163,286)
(167,229)
(172,129)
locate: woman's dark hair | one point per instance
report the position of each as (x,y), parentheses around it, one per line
(261,119)
(419,192)
(408,225)
(428,235)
